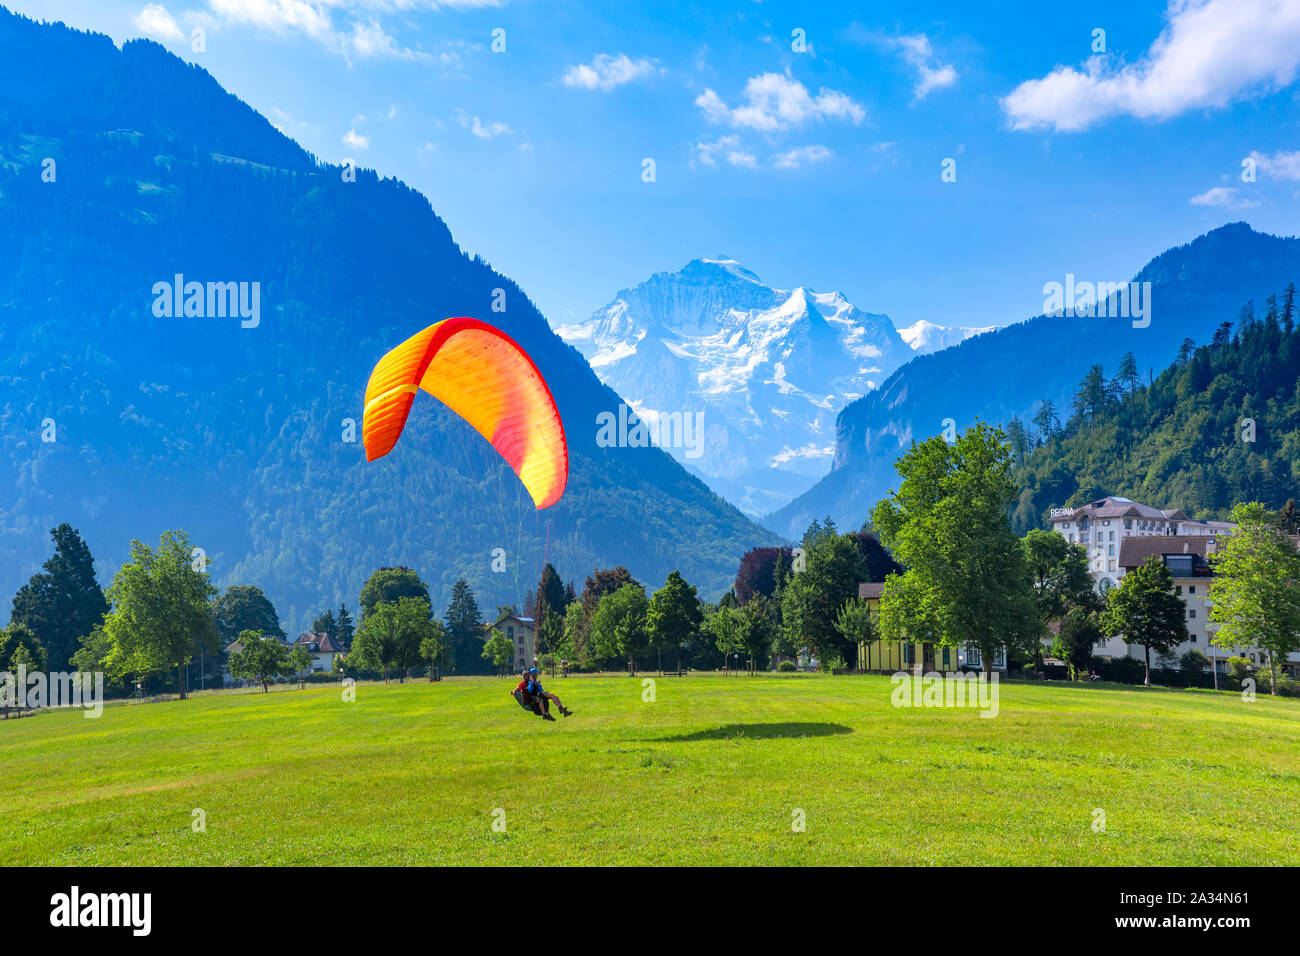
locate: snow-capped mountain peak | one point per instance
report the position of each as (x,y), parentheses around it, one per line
(768,367)
(924,337)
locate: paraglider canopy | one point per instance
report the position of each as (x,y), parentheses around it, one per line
(482,375)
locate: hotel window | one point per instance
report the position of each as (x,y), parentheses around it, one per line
(1191,612)
(1191,589)
(1128,524)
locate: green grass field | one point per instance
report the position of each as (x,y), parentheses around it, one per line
(709,773)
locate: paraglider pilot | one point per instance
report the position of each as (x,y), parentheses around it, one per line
(532,697)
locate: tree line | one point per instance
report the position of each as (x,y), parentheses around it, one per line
(1216,428)
(954,574)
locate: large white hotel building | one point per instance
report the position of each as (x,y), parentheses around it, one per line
(1119,534)
(1102,525)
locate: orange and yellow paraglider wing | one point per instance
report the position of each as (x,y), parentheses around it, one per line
(482,375)
(390,391)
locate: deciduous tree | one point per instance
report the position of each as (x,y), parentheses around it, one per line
(674,615)
(1145,610)
(244,607)
(261,659)
(966,582)
(162,609)
(1255,591)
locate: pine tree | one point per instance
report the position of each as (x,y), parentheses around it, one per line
(325,624)
(344,626)
(1247,317)
(1128,371)
(464,626)
(62,604)
(1046,420)
(1289,517)
(550,594)
(1018,440)
(1091,399)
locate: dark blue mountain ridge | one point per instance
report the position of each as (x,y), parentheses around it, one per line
(1008,372)
(237,434)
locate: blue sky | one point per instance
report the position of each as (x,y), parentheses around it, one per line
(819,167)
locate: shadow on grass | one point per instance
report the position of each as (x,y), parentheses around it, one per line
(758,732)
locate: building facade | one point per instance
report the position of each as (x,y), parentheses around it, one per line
(893,656)
(521,632)
(1102,527)
(323,650)
(1187,559)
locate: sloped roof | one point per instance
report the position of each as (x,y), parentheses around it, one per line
(871,590)
(324,643)
(1135,550)
(236,646)
(1111,507)
(527,621)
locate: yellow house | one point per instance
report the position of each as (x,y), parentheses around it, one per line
(882,656)
(891,656)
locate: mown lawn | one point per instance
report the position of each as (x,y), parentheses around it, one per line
(711,772)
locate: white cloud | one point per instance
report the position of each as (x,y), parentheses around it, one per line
(370,40)
(302,16)
(479,128)
(155,21)
(1209,53)
(362,34)
(1226,197)
(931,75)
(728,148)
(801,156)
(1279,165)
(355,140)
(774,103)
(606,72)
